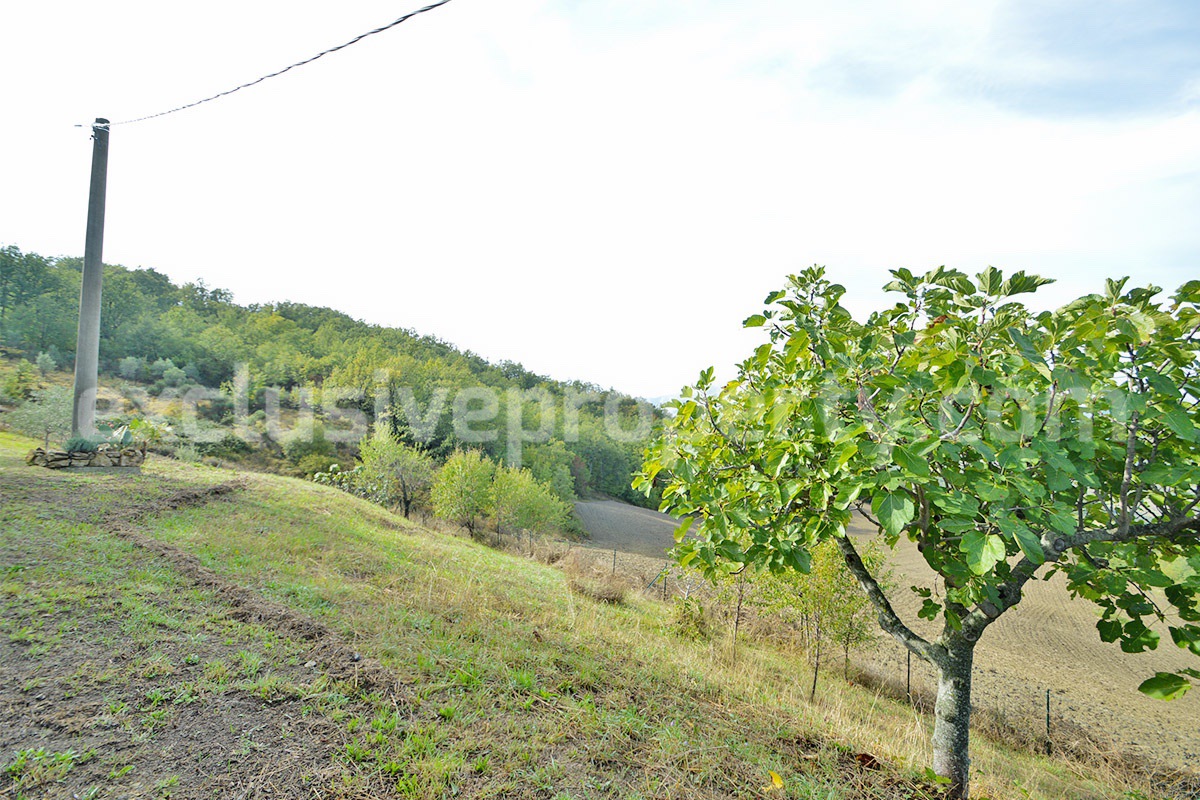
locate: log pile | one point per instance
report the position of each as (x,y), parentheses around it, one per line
(105,456)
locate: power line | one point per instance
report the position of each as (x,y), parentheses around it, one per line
(342,46)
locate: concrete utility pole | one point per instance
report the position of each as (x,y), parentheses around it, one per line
(87,345)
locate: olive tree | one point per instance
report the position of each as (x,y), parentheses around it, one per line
(1007,444)
(46,415)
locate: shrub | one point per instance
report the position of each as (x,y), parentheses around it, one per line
(20,383)
(462,487)
(174,376)
(229,446)
(46,364)
(159,368)
(690,618)
(314,464)
(306,440)
(81,444)
(131,368)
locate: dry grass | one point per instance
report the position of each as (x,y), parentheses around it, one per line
(588,577)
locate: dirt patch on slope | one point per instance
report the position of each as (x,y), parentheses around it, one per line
(336,657)
(144,674)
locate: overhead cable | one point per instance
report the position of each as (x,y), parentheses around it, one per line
(342,46)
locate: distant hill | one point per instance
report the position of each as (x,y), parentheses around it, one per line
(167,337)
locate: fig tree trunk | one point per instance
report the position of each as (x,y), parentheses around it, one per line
(952,717)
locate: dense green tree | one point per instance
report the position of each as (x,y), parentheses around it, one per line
(23,276)
(521,502)
(45,363)
(19,384)
(551,464)
(1007,444)
(131,368)
(46,322)
(461,490)
(401,474)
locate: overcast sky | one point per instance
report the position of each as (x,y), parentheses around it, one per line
(603,190)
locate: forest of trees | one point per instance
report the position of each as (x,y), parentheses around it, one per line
(163,336)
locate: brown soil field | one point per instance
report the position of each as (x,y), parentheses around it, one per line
(613,525)
(1049,641)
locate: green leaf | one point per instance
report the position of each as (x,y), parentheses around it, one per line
(1180,424)
(776,460)
(1029,543)
(1137,638)
(894,510)
(1020,283)
(850,433)
(990,281)
(1063,521)
(754,321)
(989,493)
(1187,637)
(984,550)
(910,462)
(930,609)
(1026,346)
(778,413)
(1165,686)
(841,456)
(1162,383)
(1110,629)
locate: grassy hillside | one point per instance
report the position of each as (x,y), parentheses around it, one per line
(192,632)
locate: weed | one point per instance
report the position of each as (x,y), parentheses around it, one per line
(166,783)
(523,679)
(357,753)
(217,671)
(250,663)
(386,721)
(269,687)
(34,768)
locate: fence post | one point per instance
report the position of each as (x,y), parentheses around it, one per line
(1049,747)
(908,677)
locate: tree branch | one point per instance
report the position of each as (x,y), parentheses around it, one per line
(1127,477)
(888,619)
(952,435)
(1055,546)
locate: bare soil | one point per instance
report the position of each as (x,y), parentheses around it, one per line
(613,525)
